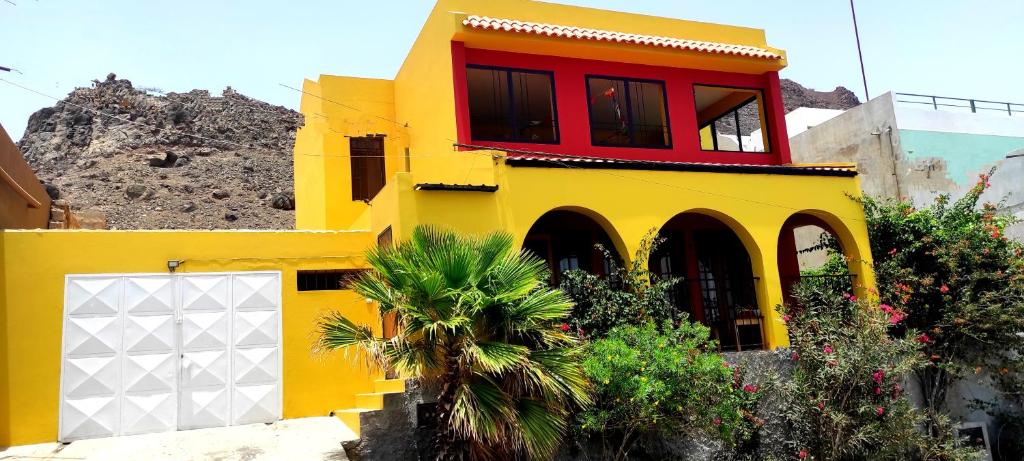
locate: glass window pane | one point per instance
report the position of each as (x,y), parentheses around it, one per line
(731,119)
(647,110)
(608,112)
(534,107)
(489,105)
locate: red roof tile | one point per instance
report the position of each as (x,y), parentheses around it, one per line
(552,30)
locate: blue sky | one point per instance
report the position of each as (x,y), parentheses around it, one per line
(947,47)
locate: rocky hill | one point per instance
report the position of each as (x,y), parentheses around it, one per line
(148,160)
(796,95)
(167,161)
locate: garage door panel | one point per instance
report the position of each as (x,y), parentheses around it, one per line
(150,333)
(256,404)
(149,413)
(256,328)
(86,336)
(204,369)
(149,373)
(91,377)
(205,330)
(256,291)
(149,295)
(204,292)
(256,366)
(89,417)
(204,408)
(93,296)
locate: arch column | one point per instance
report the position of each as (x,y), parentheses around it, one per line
(769,291)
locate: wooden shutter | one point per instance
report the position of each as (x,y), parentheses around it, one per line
(367,155)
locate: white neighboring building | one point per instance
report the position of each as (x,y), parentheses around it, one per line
(797,121)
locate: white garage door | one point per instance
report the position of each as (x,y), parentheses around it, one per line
(149,353)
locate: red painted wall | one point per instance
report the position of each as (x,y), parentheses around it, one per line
(573,118)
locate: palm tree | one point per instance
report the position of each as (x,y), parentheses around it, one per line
(477,316)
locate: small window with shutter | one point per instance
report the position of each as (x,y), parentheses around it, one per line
(367,155)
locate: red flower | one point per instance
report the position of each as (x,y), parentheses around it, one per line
(821,405)
(795,356)
(750,388)
(853,298)
(786,318)
(995,234)
(802,454)
(892,252)
(944,288)
(717,421)
(827,349)
(878,390)
(923,338)
(880,411)
(878,376)
(565,327)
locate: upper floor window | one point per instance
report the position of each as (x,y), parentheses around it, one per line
(511,105)
(731,119)
(628,113)
(367,161)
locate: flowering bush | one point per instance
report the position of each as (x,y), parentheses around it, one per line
(959,281)
(664,380)
(847,395)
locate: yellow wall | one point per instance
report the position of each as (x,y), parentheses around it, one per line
(755,206)
(32,269)
(335,109)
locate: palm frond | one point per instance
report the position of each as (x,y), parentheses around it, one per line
(541,427)
(496,357)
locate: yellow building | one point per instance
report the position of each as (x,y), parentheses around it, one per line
(571,126)
(565,126)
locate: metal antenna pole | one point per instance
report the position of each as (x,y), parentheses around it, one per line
(860,55)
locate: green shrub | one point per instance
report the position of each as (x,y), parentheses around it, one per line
(629,295)
(667,381)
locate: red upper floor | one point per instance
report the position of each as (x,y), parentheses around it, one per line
(594,108)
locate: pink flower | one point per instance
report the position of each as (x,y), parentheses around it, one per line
(880,411)
(878,390)
(795,356)
(886,308)
(897,317)
(853,298)
(827,349)
(802,454)
(878,376)
(750,388)
(821,405)
(565,327)
(717,421)
(944,288)
(923,338)
(847,296)
(786,318)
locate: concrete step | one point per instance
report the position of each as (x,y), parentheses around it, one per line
(389,386)
(350,418)
(373,400)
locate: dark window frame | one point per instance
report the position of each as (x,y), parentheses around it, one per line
(365,194)
(325,279)
(629,111)
(769,147)
(511,112)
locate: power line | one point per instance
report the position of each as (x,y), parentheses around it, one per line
(860,55)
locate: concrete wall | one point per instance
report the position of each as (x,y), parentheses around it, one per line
(920,153)
(23,200)
(32,269)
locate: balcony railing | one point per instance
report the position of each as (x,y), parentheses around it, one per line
(730,310)
(961,104)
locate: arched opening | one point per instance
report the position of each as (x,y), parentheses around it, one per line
(569,240)
(811,252)
(716,279)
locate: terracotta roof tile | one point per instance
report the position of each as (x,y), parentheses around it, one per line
(553,30)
